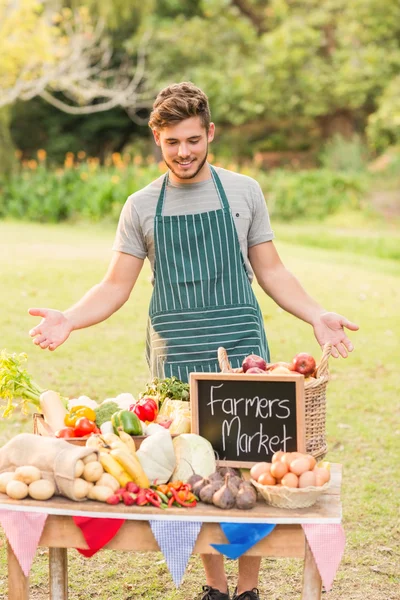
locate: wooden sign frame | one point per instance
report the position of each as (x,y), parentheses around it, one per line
(241,378)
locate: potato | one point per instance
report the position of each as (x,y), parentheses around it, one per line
(100,493)
(109,481)
(27,474)
(41,490)
(17,489)
(90,458)
(4,479)
(92,471)
(79,468)
(81,488)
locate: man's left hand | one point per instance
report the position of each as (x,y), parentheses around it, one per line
(329,328)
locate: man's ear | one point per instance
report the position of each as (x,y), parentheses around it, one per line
(156,136)
(211,132)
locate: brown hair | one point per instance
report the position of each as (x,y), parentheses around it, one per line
(177,102)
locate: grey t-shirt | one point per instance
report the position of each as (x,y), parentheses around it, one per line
(135,232)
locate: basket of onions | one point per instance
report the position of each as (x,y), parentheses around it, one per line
(291,480)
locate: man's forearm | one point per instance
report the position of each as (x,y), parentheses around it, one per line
(283,287)
(99,303)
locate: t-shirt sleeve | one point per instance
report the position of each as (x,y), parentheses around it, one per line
(260,228)
(129,236)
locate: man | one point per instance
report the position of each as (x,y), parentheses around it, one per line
(205,231)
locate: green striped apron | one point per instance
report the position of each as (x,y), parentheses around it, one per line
(202,296)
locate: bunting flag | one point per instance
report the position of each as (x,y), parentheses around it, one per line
(23,531)
(241,537)
(327,544)
(97,532)
(176,540)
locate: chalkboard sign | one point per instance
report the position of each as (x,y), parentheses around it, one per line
(247,418)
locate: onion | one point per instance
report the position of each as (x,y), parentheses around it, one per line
(254,361)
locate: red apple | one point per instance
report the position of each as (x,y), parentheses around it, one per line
(252,360)
(255,370)
(303,363)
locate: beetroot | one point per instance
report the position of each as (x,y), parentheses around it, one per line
(254,361)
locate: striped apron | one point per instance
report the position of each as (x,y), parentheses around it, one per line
(202,296)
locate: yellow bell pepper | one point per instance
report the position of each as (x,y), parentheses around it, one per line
(76,413)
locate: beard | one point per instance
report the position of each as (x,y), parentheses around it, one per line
(187,175)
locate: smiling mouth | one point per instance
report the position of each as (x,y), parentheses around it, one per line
(185,164)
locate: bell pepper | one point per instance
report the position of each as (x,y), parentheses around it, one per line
(76,413)
(129,422)
(146,409)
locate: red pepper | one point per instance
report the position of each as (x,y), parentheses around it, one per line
(175,495)
(146,409)
(153,499)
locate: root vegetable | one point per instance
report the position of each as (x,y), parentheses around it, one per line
(16,489)
(246,497)
(81,488)
(108,481)
(93,471)
(79,468)
(41,490)
(101,493)
(208,491)
(225,497)
(4,479)
(90,458)
(27,474)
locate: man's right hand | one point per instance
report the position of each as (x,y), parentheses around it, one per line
(53,329)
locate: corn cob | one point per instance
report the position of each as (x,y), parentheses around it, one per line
(132,466)
(114,468)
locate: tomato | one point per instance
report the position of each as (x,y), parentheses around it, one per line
(83,427)
(66,432)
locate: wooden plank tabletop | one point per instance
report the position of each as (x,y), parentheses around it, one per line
(327,509)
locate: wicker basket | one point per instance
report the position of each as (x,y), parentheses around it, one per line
(314,402)
(285,497)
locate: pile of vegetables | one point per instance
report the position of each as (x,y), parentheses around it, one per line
(225,489)
(26,481)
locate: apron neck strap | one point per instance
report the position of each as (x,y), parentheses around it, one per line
(218,186)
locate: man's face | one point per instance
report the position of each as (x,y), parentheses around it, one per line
(184,148)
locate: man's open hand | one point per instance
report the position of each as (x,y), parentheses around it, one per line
(329,328)
(53,329)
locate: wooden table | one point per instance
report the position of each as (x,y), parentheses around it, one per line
(60,533)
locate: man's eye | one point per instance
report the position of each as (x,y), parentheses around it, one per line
(194,141)
(171,143)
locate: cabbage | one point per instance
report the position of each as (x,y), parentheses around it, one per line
(157,457)
(194,454)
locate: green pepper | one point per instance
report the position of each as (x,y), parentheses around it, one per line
(129,422)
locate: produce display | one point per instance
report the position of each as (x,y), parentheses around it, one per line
(225,489)
(291,470)
(302,363)
(26,481)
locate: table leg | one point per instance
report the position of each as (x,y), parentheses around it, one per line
(312,584)
(58,573)
(18,583)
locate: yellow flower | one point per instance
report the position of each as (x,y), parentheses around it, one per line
(41,154)
(32,164)
(81,154)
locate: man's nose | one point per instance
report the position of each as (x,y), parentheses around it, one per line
(183,150)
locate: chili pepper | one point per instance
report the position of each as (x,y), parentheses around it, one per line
(154,500)
(181,502)
(171,501)
(163,497)
(175,485)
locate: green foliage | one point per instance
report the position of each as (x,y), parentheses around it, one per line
(342,154)
(88,191)
(384,125)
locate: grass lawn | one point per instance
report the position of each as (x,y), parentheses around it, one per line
(45,265)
